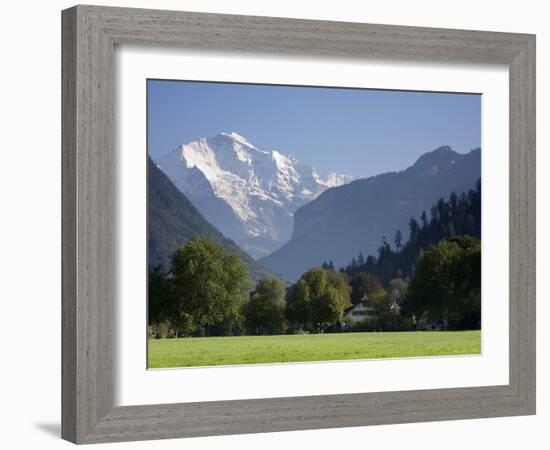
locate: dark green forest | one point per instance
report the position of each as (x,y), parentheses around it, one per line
(460,215)
(431,281)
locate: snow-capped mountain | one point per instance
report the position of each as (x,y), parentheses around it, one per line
(247,193)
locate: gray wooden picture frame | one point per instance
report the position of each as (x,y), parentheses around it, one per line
(90,34)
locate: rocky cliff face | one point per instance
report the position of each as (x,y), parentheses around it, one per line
(172,221)
(354,217)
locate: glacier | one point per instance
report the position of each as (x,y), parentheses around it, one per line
(248,193)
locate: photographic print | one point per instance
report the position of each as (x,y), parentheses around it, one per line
(297,223)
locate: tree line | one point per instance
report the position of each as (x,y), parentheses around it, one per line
(460,215)
(433,278)
(206,292)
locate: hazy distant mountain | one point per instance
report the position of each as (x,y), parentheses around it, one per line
(354,217)
(249,194)
(172,221)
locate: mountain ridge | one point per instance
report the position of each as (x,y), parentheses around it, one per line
(172,220)
(354,217)
(248,193)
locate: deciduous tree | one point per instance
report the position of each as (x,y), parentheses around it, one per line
(319,299)
(159,296)
(264,312)
(447,283)
(210,285)
(362,285)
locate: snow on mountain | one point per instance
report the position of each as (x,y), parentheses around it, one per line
(248,193)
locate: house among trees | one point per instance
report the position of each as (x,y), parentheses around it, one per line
(432,282)
(363,311)
(359,313)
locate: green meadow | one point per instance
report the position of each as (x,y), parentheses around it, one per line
(227,350)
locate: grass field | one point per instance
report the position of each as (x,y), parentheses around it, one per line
(213,351)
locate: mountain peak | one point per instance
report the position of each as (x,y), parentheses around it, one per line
(261,189)
(235,137)
(347,219)
(440,156)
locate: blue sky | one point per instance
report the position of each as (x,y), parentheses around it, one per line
(358,132)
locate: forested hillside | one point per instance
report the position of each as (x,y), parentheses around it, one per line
(172,221)
(354,217)
(458,216)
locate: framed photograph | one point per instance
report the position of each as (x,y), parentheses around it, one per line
(278,224)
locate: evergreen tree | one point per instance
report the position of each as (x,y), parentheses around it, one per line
(453,203)
(460,215)
(370,264)
(434,216)
(424,220)
(399,239)
(442,211)
(451,230)
(413,228)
